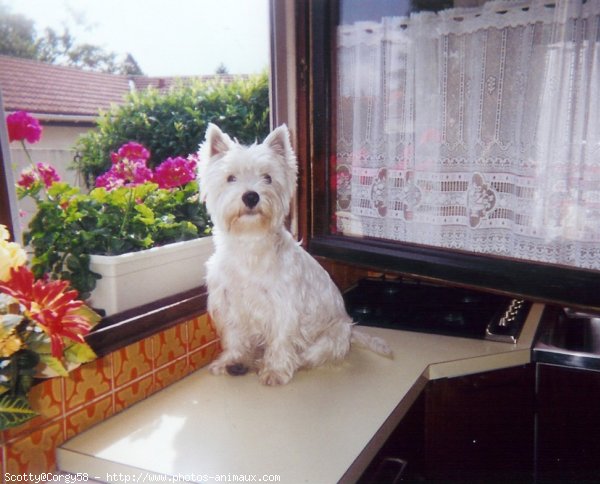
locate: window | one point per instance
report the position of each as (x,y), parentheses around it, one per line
(124,328)
(460,142)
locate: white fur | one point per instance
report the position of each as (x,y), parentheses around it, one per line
(275,308)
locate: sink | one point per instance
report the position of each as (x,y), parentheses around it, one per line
(570,338)
(577,333)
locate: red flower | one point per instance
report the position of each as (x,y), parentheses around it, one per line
(50,305)
(22,126)
(175,172)
(47,173)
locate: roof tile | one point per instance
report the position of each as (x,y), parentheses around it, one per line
(53,90)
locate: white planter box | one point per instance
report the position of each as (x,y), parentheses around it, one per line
(137,278)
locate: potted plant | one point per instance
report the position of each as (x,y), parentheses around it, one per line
(135,220)
(42,329)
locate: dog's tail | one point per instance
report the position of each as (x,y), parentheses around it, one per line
(373,343)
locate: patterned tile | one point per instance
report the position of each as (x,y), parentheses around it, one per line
(35,452)
(46,398)
(170,374)
(87,383)
(133,393)
(201,332)
(170,344)
(203,356)
(89,415)
(132,362)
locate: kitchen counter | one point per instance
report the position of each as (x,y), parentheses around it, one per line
(323,427)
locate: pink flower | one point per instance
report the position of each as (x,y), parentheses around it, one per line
(132,151)
(128,167)
(140,173)
(42,172)
(28,179)
(109,180)
(175,172)
(22,126)
(47,173)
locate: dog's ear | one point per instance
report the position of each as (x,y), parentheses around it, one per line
(216,142)
(279,141)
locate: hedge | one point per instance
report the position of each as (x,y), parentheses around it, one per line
(173,123)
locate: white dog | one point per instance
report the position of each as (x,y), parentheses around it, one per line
(275,308)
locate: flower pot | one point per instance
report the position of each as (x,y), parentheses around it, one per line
(138,278)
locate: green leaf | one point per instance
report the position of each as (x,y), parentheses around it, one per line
(54,364)
(146,215)
(79,353)
(14,410)
(92,316)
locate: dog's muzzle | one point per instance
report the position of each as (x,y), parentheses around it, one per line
(250,199)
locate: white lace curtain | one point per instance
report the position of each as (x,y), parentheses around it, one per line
(474,129)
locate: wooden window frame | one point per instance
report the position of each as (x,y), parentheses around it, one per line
(315,24)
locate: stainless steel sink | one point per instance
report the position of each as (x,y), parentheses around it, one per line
(577,332)
(569,337)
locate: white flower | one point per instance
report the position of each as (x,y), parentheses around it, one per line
(12,254)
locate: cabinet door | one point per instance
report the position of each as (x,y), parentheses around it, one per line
(481,426)
(568,436)
(401,457)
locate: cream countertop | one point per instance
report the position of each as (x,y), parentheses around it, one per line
(323,427)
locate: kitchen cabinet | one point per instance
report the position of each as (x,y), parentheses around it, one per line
(568,427)
(481,426)
(477,427)
(401,457)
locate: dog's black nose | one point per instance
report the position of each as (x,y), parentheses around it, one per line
(250,199)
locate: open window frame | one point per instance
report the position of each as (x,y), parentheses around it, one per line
(535,281)
(122,329)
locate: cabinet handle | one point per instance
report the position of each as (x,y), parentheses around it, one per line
(389,470)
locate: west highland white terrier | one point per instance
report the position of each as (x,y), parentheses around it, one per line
(275,308)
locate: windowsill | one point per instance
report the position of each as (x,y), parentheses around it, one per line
(536,281)
(133,325)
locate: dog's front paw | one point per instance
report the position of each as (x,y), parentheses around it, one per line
(217,367)
(272,377)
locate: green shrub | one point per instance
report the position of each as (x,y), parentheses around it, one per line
(173,124)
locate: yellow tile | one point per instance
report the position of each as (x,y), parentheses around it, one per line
(201,332)
(88,382)
(203,356)
(132,362)
(170,374)
(170,344)
(46,398)
(133,393)
(87,416)
(35,452)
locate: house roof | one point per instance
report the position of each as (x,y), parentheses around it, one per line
(54,92)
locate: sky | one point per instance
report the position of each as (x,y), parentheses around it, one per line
(166,37)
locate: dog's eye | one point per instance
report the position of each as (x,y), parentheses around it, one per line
(231,179)
(267,179)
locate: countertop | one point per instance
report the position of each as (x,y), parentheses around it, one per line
(325,426)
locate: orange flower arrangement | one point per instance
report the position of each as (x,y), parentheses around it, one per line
(50,305)
(42,330)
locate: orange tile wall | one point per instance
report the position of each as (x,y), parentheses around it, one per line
(97,390)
